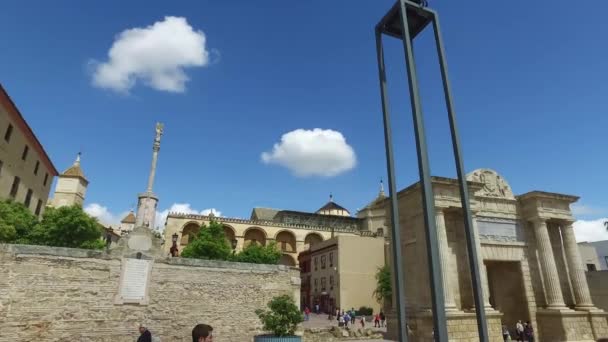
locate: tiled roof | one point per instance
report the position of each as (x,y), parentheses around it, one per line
(130,218)
(263,214)
(332,206)
(74,171)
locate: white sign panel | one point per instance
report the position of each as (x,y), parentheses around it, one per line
(134,281)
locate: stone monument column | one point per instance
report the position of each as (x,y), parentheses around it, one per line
(444,256)
(553,291)
(575,266)
(147,201)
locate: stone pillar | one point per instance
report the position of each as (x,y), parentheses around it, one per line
(483,271)
(553,291)
(444,256)
(575,266)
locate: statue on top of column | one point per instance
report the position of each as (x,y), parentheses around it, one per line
(159,133)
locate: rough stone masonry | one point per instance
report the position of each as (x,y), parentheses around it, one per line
(64,294)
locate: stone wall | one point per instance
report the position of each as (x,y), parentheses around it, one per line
(61,294)
(598,286)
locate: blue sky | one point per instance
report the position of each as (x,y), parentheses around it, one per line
(528,83)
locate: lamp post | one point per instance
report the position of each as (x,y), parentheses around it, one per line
(174,250)
(404,21)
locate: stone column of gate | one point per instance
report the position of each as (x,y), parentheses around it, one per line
(444,256)
(575,266)
(553,291)
(483,272)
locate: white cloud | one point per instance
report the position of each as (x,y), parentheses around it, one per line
(591,230)
(155,55)
(581,209)
(104,215)
(317,152)
(183,208)
(109,219)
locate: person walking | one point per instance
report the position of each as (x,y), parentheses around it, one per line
(505,333)
(529,332)
(306,313)
(340,320)
(377,320)
(317,308)
(346,319)
(382,319)
(519,331)
(145,335)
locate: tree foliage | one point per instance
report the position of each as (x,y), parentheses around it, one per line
(383,291)
(258,254)
(67,226)
(16,222)
(210,243)
(283,317)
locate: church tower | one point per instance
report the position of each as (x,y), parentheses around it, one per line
(148,201)
(71,186)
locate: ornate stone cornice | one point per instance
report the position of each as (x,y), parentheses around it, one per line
(259,223)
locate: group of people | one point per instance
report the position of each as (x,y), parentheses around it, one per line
(523,332)
(200,333)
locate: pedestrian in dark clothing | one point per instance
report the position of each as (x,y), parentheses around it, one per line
(202,333)
(505,333)
(529,332)
(382,318)
(145,336)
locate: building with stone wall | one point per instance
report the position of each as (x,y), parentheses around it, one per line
(589,257)
(601,249)
(530,265)
(340,273)
(26,171)
(293,231)
(65,294)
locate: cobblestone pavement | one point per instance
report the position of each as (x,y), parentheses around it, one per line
(321,321)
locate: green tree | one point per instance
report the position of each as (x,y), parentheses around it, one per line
(210,243)
(258,254)
(282,318)
(16,222)
(67,226)
(383,291)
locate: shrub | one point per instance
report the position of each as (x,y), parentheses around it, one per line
(258,254)
(283,317)
(383,291)
(210,243)
(364,311)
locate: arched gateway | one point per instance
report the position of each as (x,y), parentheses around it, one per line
(529,261)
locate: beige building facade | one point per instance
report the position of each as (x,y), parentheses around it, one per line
(339,273)
(26,171)
(589,257)
(292,231)
(530,265)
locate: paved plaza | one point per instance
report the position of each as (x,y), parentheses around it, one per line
(321,321)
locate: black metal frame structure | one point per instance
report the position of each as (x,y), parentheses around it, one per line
(405,20)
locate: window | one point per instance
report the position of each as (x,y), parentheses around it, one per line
(606,260)
(8,133)
(331,259)
(28,198)
(591,267)
(323,284)
(26,149)
(36,167)
(15,187)
(1,163)
(323,262)
(316,263)
(331,282)
(46,178)
(38,207)
(316,284)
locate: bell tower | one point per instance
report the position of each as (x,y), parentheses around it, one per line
(71,186)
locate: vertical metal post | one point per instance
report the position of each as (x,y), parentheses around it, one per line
(464,191)
(399,291)
(439,317)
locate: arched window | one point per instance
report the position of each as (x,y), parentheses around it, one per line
(255,235)
(312,238)
(286,241)
(189,233)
